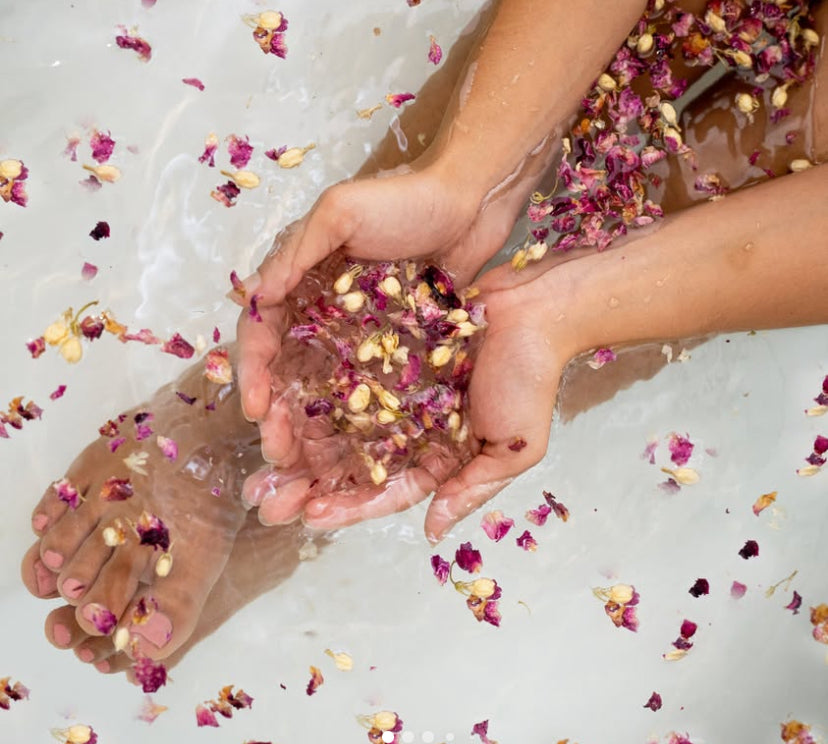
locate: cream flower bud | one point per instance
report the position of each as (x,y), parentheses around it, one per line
(385,720)
(293,156)
(387,400)
(390,341)
(56,333)
(743,59)
(457,315)
(467,329)
(10,169)
(810,37)
(779,97)
(353,301)
(674,134)
(342,660)
(440,356)
(343,283)
(683,476)
(121,639)
(71,349)
(391,286)
(244,179)
(644,45)
(108,173)
(746,103)
(400,355)
(269,20)
(359,399)
(367,350)
(483,588)
(78,734)
(164,565)
(410,271)
(112,537)
(799,165)
(378,473)
(716,22)
(621,594)
(606,82)
(537,251)
(386,417)
(454,421)
(668,113)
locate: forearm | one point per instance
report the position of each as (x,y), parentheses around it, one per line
(523,83)
(754,260)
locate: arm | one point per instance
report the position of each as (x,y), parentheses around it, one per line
(754,260)
(458,202)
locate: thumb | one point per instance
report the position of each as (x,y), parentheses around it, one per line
(481,479)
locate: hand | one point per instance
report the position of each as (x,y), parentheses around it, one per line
(407,214)
(512,397)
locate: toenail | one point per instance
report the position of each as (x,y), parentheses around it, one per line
(39,521)
(53,559)
(102,618)
(61,635)
(102,666)
(86,655)
(157,629)
(72,588)
(46,580)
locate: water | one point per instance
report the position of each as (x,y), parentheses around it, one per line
(557,668)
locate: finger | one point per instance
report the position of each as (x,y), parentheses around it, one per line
(486,475)
(347,507)
(259,344)
(280,446)
(259,484)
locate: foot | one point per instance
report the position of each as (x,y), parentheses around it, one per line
(262,557)
(195,496)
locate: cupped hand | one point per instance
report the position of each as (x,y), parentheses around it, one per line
(402,214)
(511,401)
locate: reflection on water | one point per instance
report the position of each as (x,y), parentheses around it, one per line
(556,667)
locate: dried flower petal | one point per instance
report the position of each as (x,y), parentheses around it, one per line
(152,531)
(67,493)
(763,502)
(101,145)
(468,559)
(342,660)
(681,448)
(205,717)
(398,99)
(140,46)
(482,730)
(58,392)
(315,681)
(36,347)
(440,567)
(701,587)
(601,357)
(116,489)
(561,512)
(435,53)
(195,82)
(749,550)
(178,346)
(149,674)
(654,703)
(795,603)
(89,271)
(100,231)
(217,367)
(737,590)
(101,617)
(517,444)
(496,526)
(240,150)
(527,542)
(168,447)
(150,710)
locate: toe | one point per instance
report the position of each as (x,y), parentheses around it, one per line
(61,629)
(38,578)
(66,535)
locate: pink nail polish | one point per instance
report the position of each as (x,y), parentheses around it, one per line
(102,666)
(61,635)
(52,559)
(72,588)
(46,580)
(86,655)
(39,521)
(157,630)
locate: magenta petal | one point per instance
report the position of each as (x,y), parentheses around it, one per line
(654,703)
(440,567)
(195,82)
(737,590)
(205,717)
(179,347)
(89,271)
(468,558)
(150,675)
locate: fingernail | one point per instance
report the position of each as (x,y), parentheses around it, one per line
(102,666)
(39,521)
(61,635)
(72,588)
(46,580)
(157,629)
(251,284)
(86,655)
(52,559)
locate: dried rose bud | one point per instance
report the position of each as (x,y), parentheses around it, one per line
(353,301)
(644,45)
(164,565)
(359,399)
(56,333)
(440,356)
(10,169)
(71,350)
(799,165)
(108,173)
(746,103)
(294,156)
(243,179)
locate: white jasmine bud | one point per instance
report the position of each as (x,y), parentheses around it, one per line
(56,333)
(164,565)
(71,349)
(644,45)
(779,97)
(799,165)
(10,169)
(668,113)
(391,286)
(440,356)
(353,301)
(378,473)
(606,82)
(343,283)
(269,20)
(359,399)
